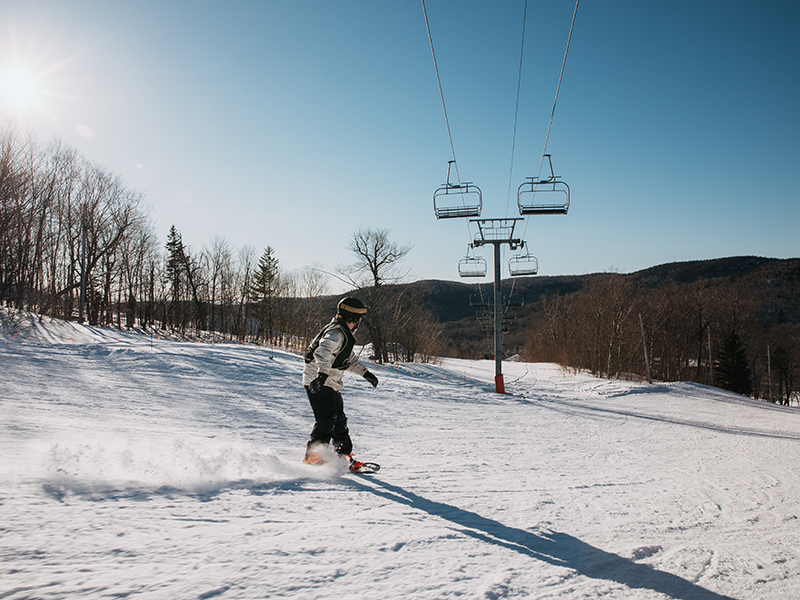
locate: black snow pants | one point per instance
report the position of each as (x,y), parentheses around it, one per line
(331,422)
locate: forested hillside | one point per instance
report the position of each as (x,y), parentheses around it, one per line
(693,316)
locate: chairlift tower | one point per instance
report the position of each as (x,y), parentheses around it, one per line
(453,200)
(497,232)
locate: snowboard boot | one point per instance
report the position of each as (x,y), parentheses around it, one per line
(352,464)
(313,455)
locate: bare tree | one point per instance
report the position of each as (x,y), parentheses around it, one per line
(414,332)
(551,330)
(63,220)
(377,264)
(218,257)
(311,312)
(138,251)
(241,292)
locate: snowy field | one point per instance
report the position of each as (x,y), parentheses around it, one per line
(139,468)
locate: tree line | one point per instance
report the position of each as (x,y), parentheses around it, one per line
(77,243)
(717,332)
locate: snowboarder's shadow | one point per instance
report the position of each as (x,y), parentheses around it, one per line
(552,547)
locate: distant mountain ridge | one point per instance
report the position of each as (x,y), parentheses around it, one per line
(450,300)
(775,283)
(691,271)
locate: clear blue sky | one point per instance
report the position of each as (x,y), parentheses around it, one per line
(294,123)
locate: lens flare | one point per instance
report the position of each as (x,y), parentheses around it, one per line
(20,89)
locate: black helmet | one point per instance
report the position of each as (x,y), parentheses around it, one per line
(351,309)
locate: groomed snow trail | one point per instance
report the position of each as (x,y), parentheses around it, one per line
(141,468)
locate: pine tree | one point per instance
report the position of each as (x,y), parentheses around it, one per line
(176,259)
(264,293)
(733,372)
(184,278)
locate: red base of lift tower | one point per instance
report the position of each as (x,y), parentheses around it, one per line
(499,386)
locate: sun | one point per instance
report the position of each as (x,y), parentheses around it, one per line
(20,89)
(37,74)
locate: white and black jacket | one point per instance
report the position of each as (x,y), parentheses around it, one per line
(331,353)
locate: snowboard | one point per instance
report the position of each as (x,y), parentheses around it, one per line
(356,466)
(366,468)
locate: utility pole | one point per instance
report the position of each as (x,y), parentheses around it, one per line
(644,345)
(769,372)
(82,300)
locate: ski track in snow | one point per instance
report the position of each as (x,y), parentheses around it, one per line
(132,467)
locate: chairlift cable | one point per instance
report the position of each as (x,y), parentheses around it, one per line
(552,115)
(511,293)
(516,108)
(558,88)
(441,93)
(441,96)
(514,136)
(555,101)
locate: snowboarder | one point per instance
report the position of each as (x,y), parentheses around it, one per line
(327,358)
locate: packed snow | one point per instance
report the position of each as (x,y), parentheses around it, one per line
(138,467)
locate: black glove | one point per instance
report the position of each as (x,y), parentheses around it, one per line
(316,386)
(371,378)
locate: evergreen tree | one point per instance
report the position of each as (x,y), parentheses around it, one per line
(264,293)
(733,372)
(176,259)
(185,280)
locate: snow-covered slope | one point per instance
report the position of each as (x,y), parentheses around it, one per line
(147,468)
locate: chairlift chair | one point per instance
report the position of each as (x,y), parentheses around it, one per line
(479,300)
(514,301)
(523,264)
(472,266)
(548,196)
(446,199)
(485,316)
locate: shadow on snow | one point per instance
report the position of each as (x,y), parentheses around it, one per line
(572,408)
(551,547)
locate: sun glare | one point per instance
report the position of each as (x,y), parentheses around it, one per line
(37,74)
(19,89)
